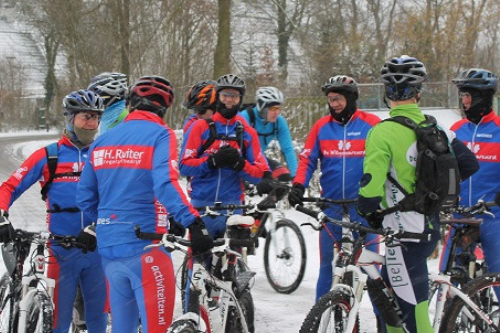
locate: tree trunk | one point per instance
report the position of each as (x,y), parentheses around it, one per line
(223,48)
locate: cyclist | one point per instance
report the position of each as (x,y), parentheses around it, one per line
(130,179)
(338,142)
(201,99)
(111,87)
(68,267)
(480,131)
(265,117)
(233,156)
(390,147)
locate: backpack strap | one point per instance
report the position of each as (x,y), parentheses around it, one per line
(211,139)
(251,115)
(51,151)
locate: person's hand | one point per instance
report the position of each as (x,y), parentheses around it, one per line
(296,195)
(239,165)
(176,228)
(6,229)
(87,238)
(226,156)
(266,184)
(375,219)
(201,241)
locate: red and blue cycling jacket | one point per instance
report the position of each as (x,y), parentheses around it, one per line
(483,140)
(223,184)
(131,176)
(341,150)
(63,217)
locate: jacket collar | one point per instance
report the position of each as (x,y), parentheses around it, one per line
(145,115)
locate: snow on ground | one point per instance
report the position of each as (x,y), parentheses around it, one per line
(274,312)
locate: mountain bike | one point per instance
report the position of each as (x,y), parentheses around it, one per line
(464,271)
(285,253)
(356,271)
(26,299)
(233,312)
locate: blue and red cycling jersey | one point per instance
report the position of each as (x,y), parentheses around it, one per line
(340,150)
(62,191)
(483,139)
(68,267)
(223,184)
(131,176)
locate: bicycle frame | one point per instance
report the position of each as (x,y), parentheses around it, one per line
(227,298)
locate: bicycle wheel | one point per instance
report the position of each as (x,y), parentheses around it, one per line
(458,317)
(233,321)
(40,314)
(285,257)
(330,314)
(8,315)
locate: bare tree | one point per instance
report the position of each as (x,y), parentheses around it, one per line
(223,48)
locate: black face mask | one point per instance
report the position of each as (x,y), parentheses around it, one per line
(346,114)
(481,103)
(228,113)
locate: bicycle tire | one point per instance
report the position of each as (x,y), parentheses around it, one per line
(8,316)
(184,280)
(480,290)
(40,316)
(330,313)
(233,321)
(285,270)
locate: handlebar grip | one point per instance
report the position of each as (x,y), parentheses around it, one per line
(307,211)
(267,205)
(413,235)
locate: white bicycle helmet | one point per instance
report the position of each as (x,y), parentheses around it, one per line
(267,97)
(110,86)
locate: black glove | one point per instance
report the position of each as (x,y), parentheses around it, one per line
(6,229)
(497,199)
(176,228)
(87,238)
(201,241)
(296,194)
(266,184)
(226,156)
(239,165)
(375,219)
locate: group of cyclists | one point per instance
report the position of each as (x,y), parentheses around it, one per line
(118,167)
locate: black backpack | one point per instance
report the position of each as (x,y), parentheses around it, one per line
(213,136)
(437,177)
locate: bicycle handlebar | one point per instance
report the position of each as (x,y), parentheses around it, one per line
(481,207)
(320,216)
(24,236)
(258,207)
(185,242)
(332,201)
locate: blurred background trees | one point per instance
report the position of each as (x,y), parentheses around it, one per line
(292,44)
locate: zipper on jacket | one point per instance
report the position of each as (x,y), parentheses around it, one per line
(473,141)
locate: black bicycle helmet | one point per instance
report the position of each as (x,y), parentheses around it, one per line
(403,77)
